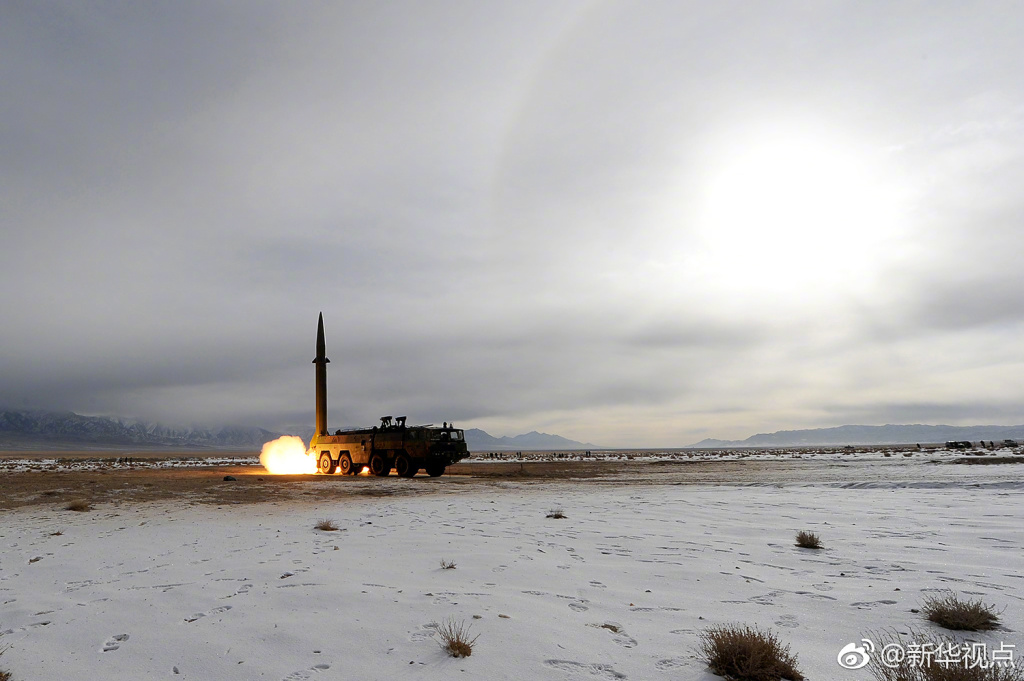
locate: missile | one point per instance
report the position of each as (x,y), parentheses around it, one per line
(321,362)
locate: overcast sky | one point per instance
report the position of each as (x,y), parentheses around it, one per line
(628,223)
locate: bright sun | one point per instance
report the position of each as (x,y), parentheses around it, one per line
(794,213)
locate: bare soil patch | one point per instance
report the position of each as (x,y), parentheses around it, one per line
(117,483)
(109,477)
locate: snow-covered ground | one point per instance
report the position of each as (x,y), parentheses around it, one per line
(23,463)
(619,589)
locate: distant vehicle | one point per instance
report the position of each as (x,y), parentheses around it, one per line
(959,444)
(392,444)
(1009,443)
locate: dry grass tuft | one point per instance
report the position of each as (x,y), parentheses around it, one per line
(326,524)
(945,660)
(808,540)
(81,506)
(742,653)
(455,638)
(58,533)
(447,564)
(952,613)
(556,513)
(4,674)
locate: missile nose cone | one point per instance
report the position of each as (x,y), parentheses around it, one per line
(321,344)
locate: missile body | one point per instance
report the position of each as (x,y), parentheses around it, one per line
(321,378)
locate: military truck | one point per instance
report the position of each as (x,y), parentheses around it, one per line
(392,444)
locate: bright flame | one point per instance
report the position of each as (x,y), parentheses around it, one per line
(287,454)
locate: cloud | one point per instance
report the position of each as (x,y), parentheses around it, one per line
(501,212)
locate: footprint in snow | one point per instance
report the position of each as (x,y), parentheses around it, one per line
(870,604)
(787,621)
(619,635)
(114,642)
(215,611)
(601,671)
(429,629)
(304,674)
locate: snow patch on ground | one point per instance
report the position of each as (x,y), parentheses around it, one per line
(618,589)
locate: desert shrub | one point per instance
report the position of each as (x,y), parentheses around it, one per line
(556,513)
(447,564)
(454,638)
(742,653)
(81,506)
(938,660)
(325,524)
(950,612)
(808,540)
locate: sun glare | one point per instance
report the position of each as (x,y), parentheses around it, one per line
(796,212)
(287,455)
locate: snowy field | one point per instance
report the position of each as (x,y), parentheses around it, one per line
(22,462)
(618,589)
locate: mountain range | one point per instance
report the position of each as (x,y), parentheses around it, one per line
(480,441)
(870,435)
(37,430)
(67,430)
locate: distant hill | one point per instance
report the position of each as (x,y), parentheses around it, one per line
(67,430)
(36,429)
(480,441)
(870,435)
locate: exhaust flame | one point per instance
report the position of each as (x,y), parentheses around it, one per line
(287,454)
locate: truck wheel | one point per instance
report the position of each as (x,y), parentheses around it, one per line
(345,464)
(379,466)
(404,466)
(326,465)
(435,470)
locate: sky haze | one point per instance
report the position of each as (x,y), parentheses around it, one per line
(633,224)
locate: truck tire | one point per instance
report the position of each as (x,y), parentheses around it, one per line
(404,466)
(435,470)
(379,466)
(325,464)
(345,464)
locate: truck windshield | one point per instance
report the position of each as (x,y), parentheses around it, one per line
(456,434)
